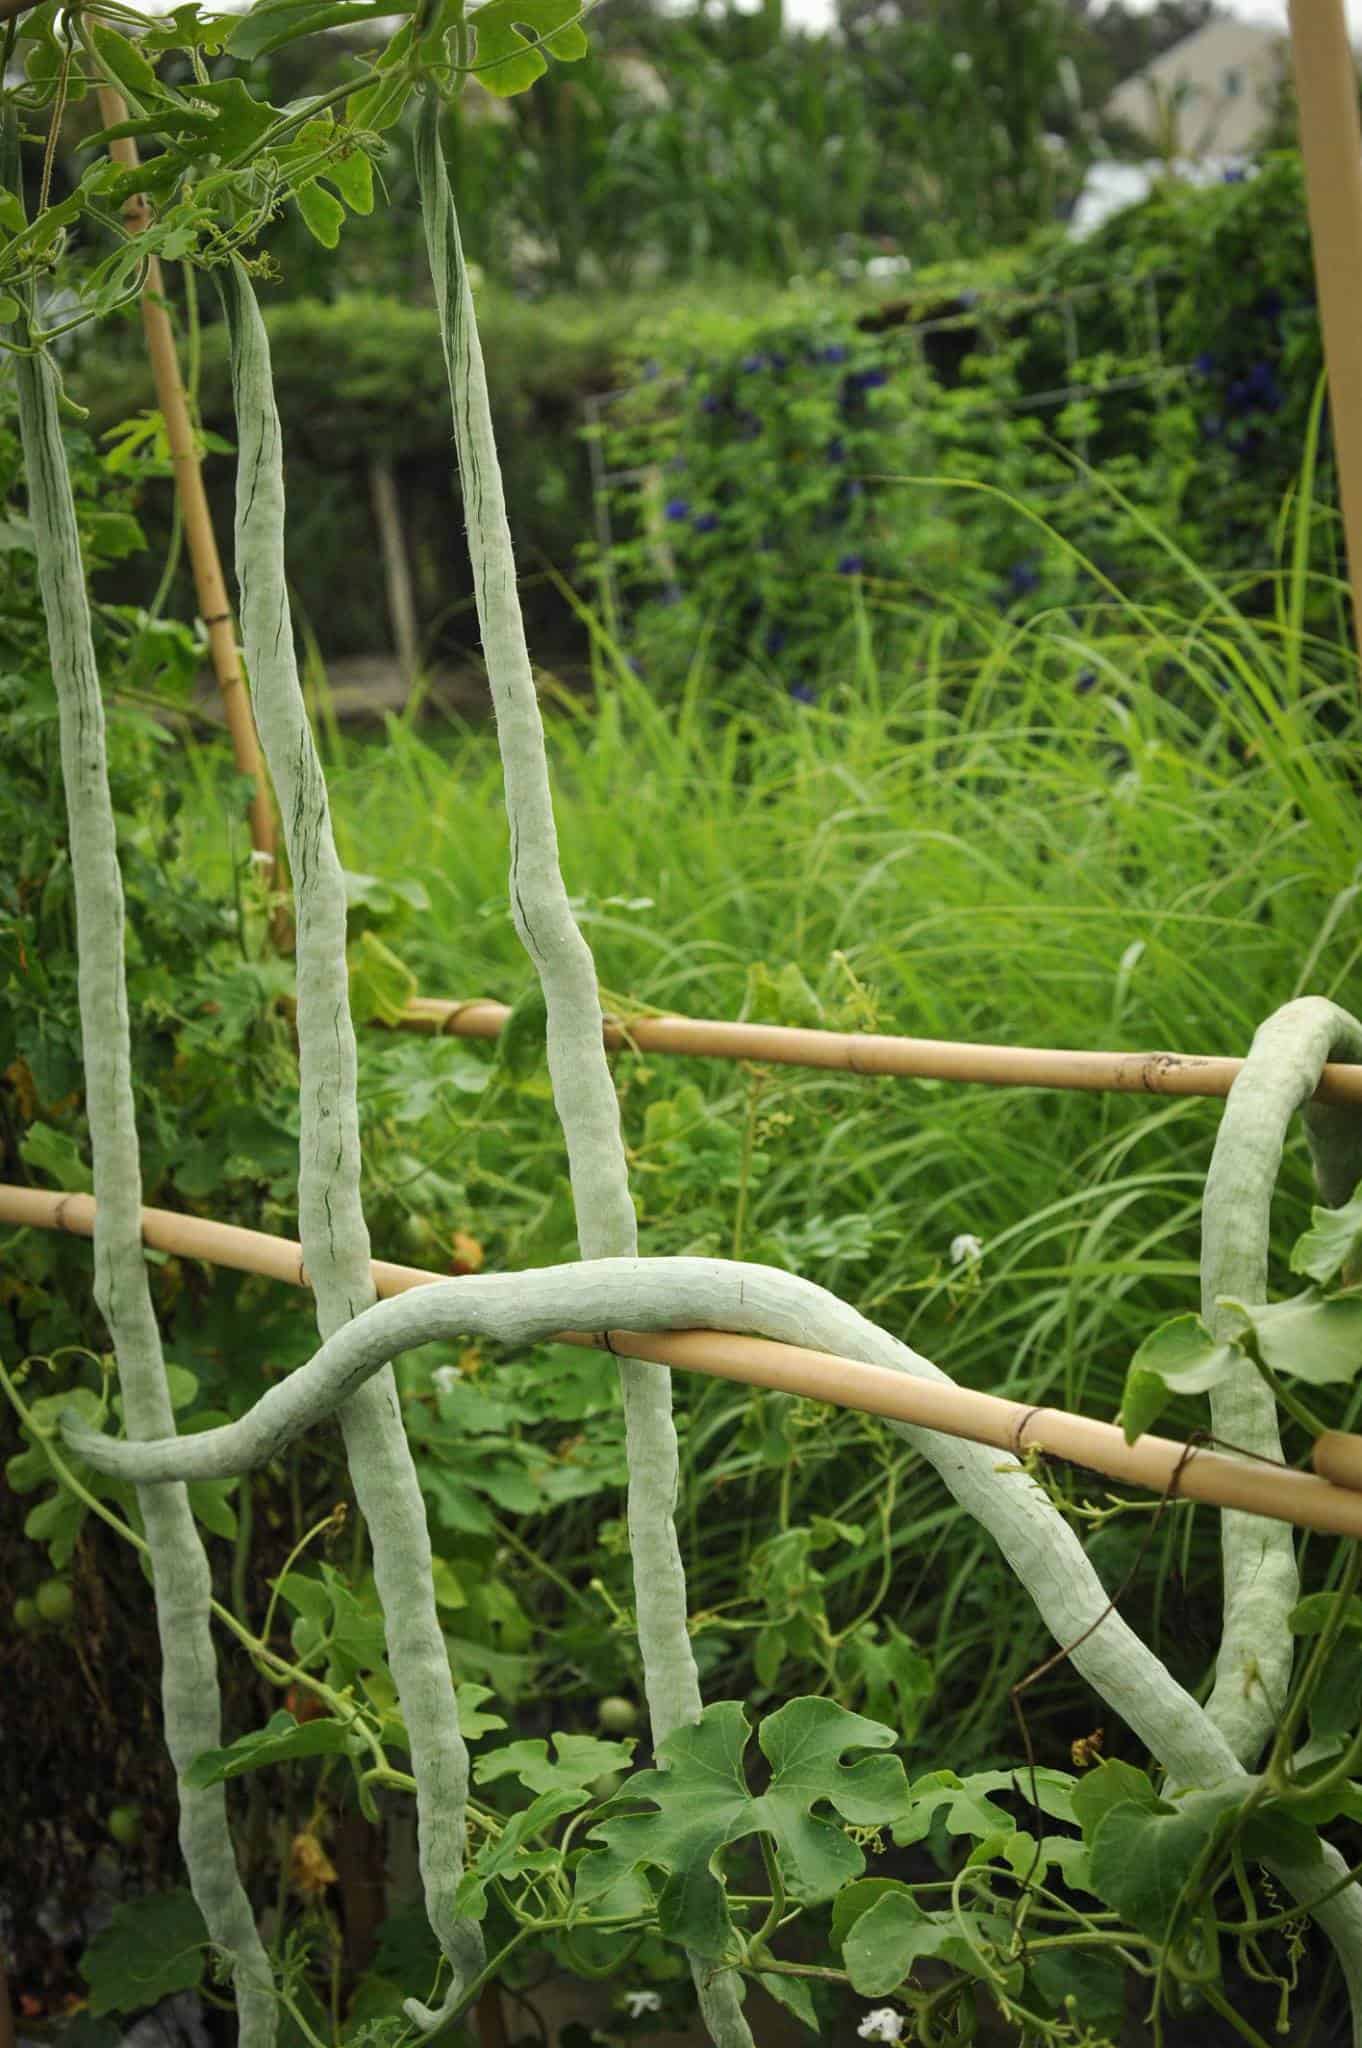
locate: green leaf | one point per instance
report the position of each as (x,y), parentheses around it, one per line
(209,1499)
(784,997)
(57,1155)
(579,1761)
(703,1803)
(1278,1834)
(381,985)
(281,1740)
(353,177)
(768,1654)
(185,28)
(1142,1859)
(449,1590)
(1310,1616)
(968,1808)
(1182,1357)
(324,217)
(473,1722)
(151,1947)
(1112,1784)
(506,62)
(857,1898)
(125,63)
(510,1854)
(57,1522)
(1334,1702)
(794,1994)
(273,23)
(1095,1984)
(379,105)
(886,1943)
(523,1040)
(1312,1338)
(1332,1242)
(240,119)
(1143,1401)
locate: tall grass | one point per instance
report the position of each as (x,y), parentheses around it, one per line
(1140,833)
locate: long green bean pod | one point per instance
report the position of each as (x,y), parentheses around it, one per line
(190,1702)
(334,1237)
(652,1294)
(1261,1585)
(583,1090)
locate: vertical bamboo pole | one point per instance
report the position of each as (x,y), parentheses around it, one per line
(209,587)
(396,570)
(1331,146)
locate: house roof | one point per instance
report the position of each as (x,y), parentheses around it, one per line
(1208,94)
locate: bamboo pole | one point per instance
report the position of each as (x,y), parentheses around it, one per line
(1154,1463)
(940,1059)
(1331,148)
(210,589)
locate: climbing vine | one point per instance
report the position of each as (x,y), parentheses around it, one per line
(659,1856)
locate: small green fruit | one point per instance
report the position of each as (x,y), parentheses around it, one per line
(616,1715)
(26,1614)
(125,1825)
(607,1785)
(55,1601)
(418,1238)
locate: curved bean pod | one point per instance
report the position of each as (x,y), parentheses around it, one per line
(583,1090)
(1253,1668)
(678,1293)
(331,1219)
(190,1702)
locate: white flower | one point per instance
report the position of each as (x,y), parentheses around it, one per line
(445,1378)
(636,2003)
(882,2025)
(966,1246)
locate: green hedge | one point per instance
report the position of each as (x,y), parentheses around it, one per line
(755,505)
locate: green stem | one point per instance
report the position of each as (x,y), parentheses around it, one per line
(1226,2011)
(756,1947)
(1278,1766)
(1292,1403)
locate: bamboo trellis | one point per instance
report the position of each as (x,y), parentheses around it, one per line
(1329,1499)
(938,1059)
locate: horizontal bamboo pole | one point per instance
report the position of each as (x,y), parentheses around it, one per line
(937,1059)
(1155,1463)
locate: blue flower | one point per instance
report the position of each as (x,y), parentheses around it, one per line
(751,364)
(1023,576)
(779,362)
(835,451)
(709,403)
(1087,680)
(678,509)
(1233,177)
(705,522)
(872,379)
(1204,363)
(851,565)
(1211,427)
(775,639)
(803,692)
(835,352)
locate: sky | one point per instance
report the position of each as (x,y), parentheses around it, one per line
(818,14)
